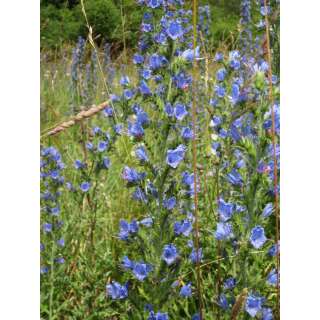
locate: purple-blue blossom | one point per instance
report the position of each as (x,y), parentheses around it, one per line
(116,290)
(85,186)
(175,156)
(175,30)
(169,254)
(225,210)
(257,237)
(180,111)
(186,291)
(183,227)
(224,231)
(253,305)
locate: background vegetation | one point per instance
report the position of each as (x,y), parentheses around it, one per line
(62,20)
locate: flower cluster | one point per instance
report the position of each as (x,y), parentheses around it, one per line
(51,170)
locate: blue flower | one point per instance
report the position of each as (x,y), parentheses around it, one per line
(235,64)
(114,98)
(170,203)
(147,16)
(160,38)
(59,260)
(44,270)
(154,3)
(196,316)
(147,222)
(218,57)
(180,111)
(146,27)
(131,175)
(224,231)
(189,54)
(138,59)
(139,195)
(127,229)
(170,253)
(175,30)
(188,179)
(229,284)
(220,91)
(186,133)
(117,291)
(267,211)
(267,314)
(268,115)
(89,145)
(141,154)
(144,89)
(61,242)
(196,255)
(118,128)
(225,210)
(233,55)
(235,93)
(213,102)
(234,178)
(183,227)
(146,74)
(215,121)
(257,237)
(221,74)
(102,146)
(78,164)
(169,110)
(182,80)
(273,250)
(156,61)
(272,278)
(54,174)
(158,316)
(127,263)
(128,94)
(85,186)
(175,156)
(124,80)
(158,78)
(47,227)
(253,305)
(223,133)
(186,291)
(142,118)
(223,302)
(55,211)
(265,10)
(135,130)
(106,162)
(141,270)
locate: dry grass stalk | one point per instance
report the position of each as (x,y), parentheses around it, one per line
(85,114)
(239,303)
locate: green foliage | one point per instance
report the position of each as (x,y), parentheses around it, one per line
(104,17)
(225,19)
(58,25)
(118,20)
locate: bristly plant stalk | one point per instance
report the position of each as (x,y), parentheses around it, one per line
(194,153)
(91,41)
(275,167)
